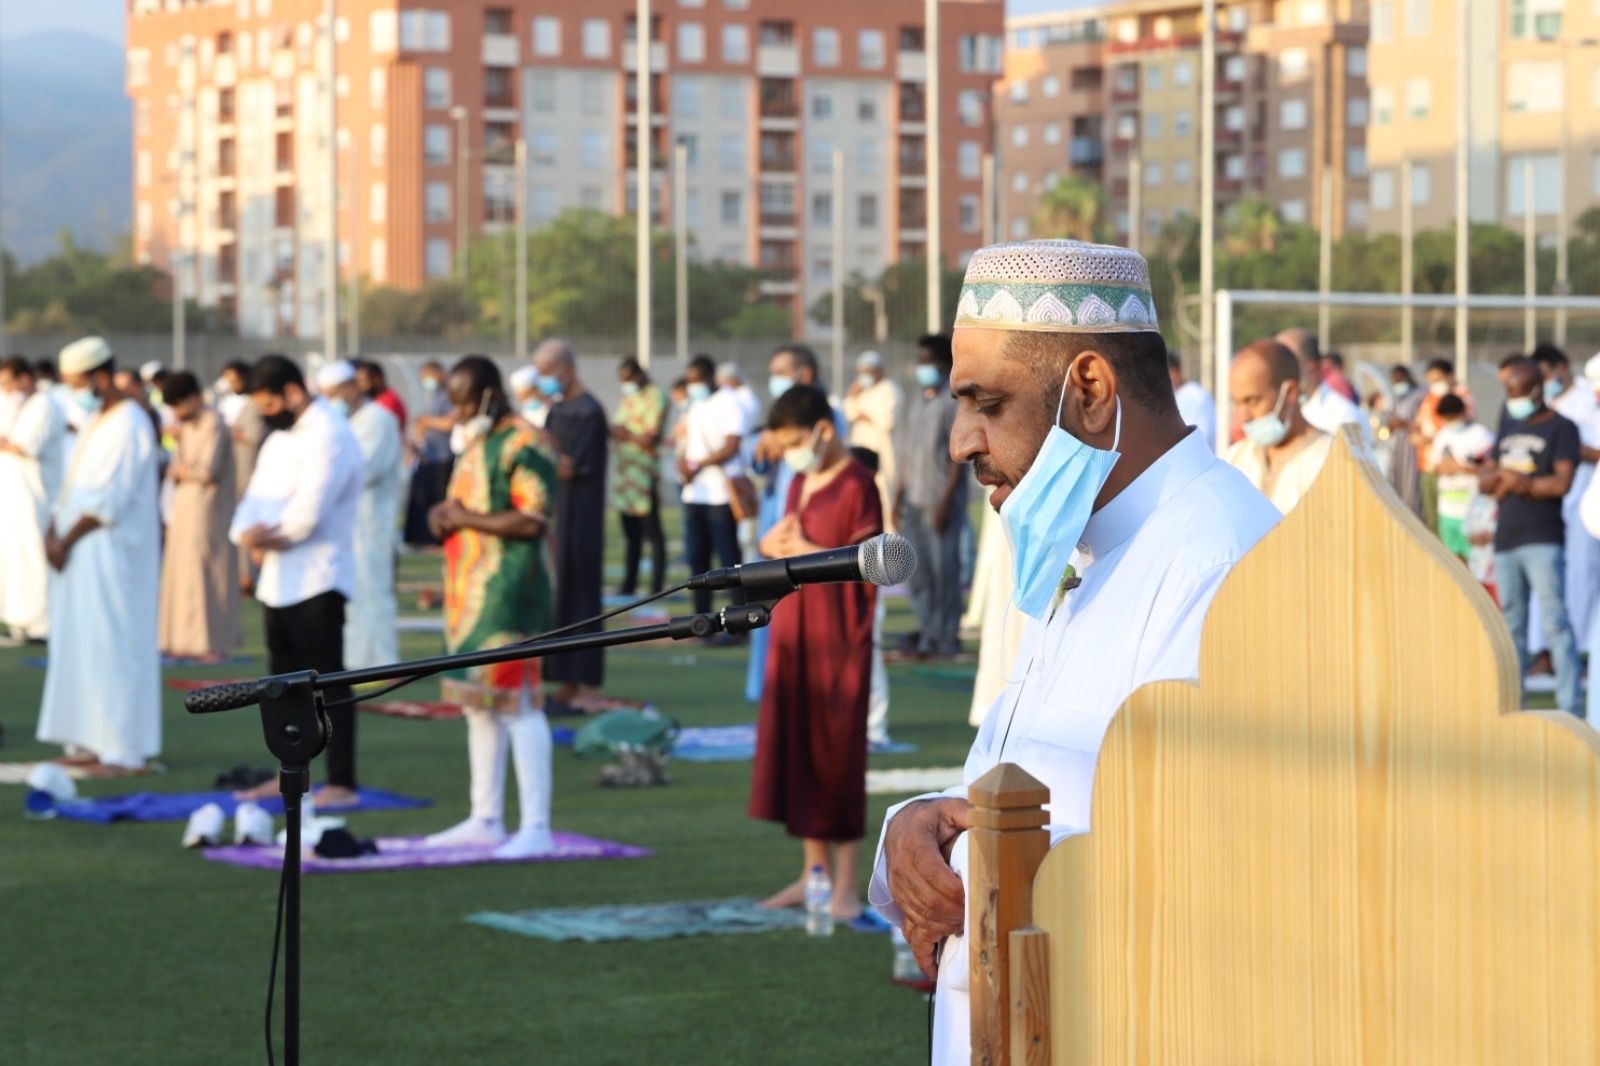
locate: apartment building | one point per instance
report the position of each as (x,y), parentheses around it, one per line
(1533,88)
(1291,105)
(231,170)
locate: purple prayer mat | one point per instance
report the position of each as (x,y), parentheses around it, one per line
(413,853)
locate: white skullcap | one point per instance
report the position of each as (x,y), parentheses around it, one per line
(1057,286)
(523,378)
(1591,370)
(334,374)
(148,372)
(82,356)
(729,372)
(869,361)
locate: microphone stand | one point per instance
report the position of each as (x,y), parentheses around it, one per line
(295,723)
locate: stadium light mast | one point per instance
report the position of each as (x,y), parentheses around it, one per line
(932,208)
(330,264)
(1208,186)
(1463,187)
(643,135)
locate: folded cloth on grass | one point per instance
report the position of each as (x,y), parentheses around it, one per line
(733,743)
(921,779)
(647,921)
(177,806)
(414,853)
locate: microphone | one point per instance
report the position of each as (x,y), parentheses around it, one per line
(887,559)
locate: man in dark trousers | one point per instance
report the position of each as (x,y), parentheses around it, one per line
(577,426)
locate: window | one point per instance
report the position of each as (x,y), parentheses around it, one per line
(825,47)
(1382,105)
(1534,87)
(592,150)
(1019,136)
(1355,161)
(1154,77)
(970,157)
(1546,184)
(870,47)
(1292,114)
(969,107)
(596,39)
(378,144)
(1019,182)
(1051,86)
(1152,222)
(1356,213)
(1235,69)
(1233,168)
(731,207)
(777,201)
(542,203)
(821,104)
(542,90)
(436,258)
(497,20)
(1382,26)
(438,201)
(378,202)
(542,146)
(546,36)
(1292,163)
(691,42)
(867,211)
(735,44)
(821,155)
(730,153)
(691,152)
(686,97)
(1418,17)
(1233,118)
(1312,12)
(1293,211)
(497,87)
(1381,189)
(968,213)
(1154,175)
(1127,127)
(378,88)
(435,87)
(1019,228)
(1182,123)
(822,209)
(1152,126)
(730,100)
(868,156)
(1019,91)
(1293,64)
(1421,183)
(1536,18)
(436,31)
(866,108)
(822,270)
(1355,62)
(436,145)
(1182,172)
(1183,73)
(1052,134)
(1355,112)
(1238,18)
(1419,98)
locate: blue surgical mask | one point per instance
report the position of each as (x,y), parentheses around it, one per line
(430,385)
(1045,515)
(1521,407)
(630,388)
(532,410)
(778,384)
(1553,389)
(928,375)
(699,390)
(866,381)
(341,407)
(804,459)
(550,385)
(86,401)
(1402,389)
(1269,430)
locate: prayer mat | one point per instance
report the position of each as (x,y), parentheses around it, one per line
(16,773)
(925,779)
(413,853)
(413,709)
(178,806)
(734,743)
(648,921)
(168,662)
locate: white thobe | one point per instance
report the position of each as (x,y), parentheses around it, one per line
(1327,410)
(1289,482)
(1582,553)
(1198,410)
(102,685)
(873,414)
(1149,561)
(28,486)
(369,628)
(990,610)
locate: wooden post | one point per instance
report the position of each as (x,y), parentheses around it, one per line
(1004,848)
(1030,997)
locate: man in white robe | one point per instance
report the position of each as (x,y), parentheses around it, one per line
(370,637)
(102,686)
(1127,522)
(1281,453)
(1194,403)
(1323,405)
(32,443)
(1574,401)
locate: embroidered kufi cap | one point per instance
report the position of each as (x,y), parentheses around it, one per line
(84,355)
(1057,286)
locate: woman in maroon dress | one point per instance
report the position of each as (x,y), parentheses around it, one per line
(811,739)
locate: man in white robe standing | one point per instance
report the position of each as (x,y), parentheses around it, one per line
(32,444)
(1124,523)
(102,685)
(370,638)
(1574,401)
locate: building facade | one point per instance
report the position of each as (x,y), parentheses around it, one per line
(231,134)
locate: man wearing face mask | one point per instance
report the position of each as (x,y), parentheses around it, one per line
(1124,525)
(102,697)
(713,433)
(1530,473)
(430,443)
(33,445)
(1441,379)
(1281,452)
(1575,402)
(370,638)
(298,520)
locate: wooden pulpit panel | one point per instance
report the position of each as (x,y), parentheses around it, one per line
(1346,846)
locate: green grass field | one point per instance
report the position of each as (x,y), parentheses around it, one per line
(117,946)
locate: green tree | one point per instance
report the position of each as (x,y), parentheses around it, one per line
(1073,208)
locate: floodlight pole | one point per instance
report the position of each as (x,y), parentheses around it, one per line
(330,265)
(989,200)
(837,280)
(933,207)
(1135,199)
(1407,265)
(643,135)
(1463,208)
(1530,257)
(1208,197)
(680,233)
(521,201)
(1325,261)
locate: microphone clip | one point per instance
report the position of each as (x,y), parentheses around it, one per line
(742,618)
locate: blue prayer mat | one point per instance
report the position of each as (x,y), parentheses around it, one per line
(178,806)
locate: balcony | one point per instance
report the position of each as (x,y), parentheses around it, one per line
(778,99)
(1122,94)
(778,61)
(1227,136)
(658,56)
(500,50)
(777,153)
(913,107)
(1086,152)
(913,155)
(912,66)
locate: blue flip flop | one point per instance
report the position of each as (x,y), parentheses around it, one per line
(869,921)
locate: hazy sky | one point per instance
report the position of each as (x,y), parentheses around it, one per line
(104,17)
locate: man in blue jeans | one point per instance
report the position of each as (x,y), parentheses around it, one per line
(715,427)
(1530,471)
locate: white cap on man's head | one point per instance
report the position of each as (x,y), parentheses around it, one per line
(523,378)
(1591,370)
(729,372)
(84,355)
(148,372)
(332,375)
(869,360)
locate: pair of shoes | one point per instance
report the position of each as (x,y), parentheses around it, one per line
(868,921)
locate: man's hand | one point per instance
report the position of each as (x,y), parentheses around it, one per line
(565,468)
(939,518)
(686,471)
(916,850)
(56,550)
(259,537)
(767,449)
(443,519)
(779,543)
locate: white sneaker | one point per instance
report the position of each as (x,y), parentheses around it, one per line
(252,825)
(205,827)
(474,832)
(527,844)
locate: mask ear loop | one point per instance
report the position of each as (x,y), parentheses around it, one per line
(1116,436)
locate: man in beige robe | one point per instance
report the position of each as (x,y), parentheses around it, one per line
(199,573)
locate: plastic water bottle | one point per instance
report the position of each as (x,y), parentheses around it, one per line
(906,970)
(819,896)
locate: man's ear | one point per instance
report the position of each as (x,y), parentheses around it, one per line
(1092,389)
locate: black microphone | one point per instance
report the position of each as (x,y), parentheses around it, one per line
(882,560)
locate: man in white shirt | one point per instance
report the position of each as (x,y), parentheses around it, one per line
(1321,403)
(1575,401)
(298,516)
(1195,405)
(873,407)
(33,435)
(1125,525)
(1281,453)
(715,429)
(370,638)
(731,379)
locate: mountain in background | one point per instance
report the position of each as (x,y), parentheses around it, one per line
(66,155)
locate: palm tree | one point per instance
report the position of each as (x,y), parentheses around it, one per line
(1252,225)
(1074,208)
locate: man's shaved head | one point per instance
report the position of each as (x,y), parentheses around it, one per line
(1521,377)
(1281,364)
(1300,341)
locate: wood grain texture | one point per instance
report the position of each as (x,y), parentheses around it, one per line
(1030,997)
(1346,846)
